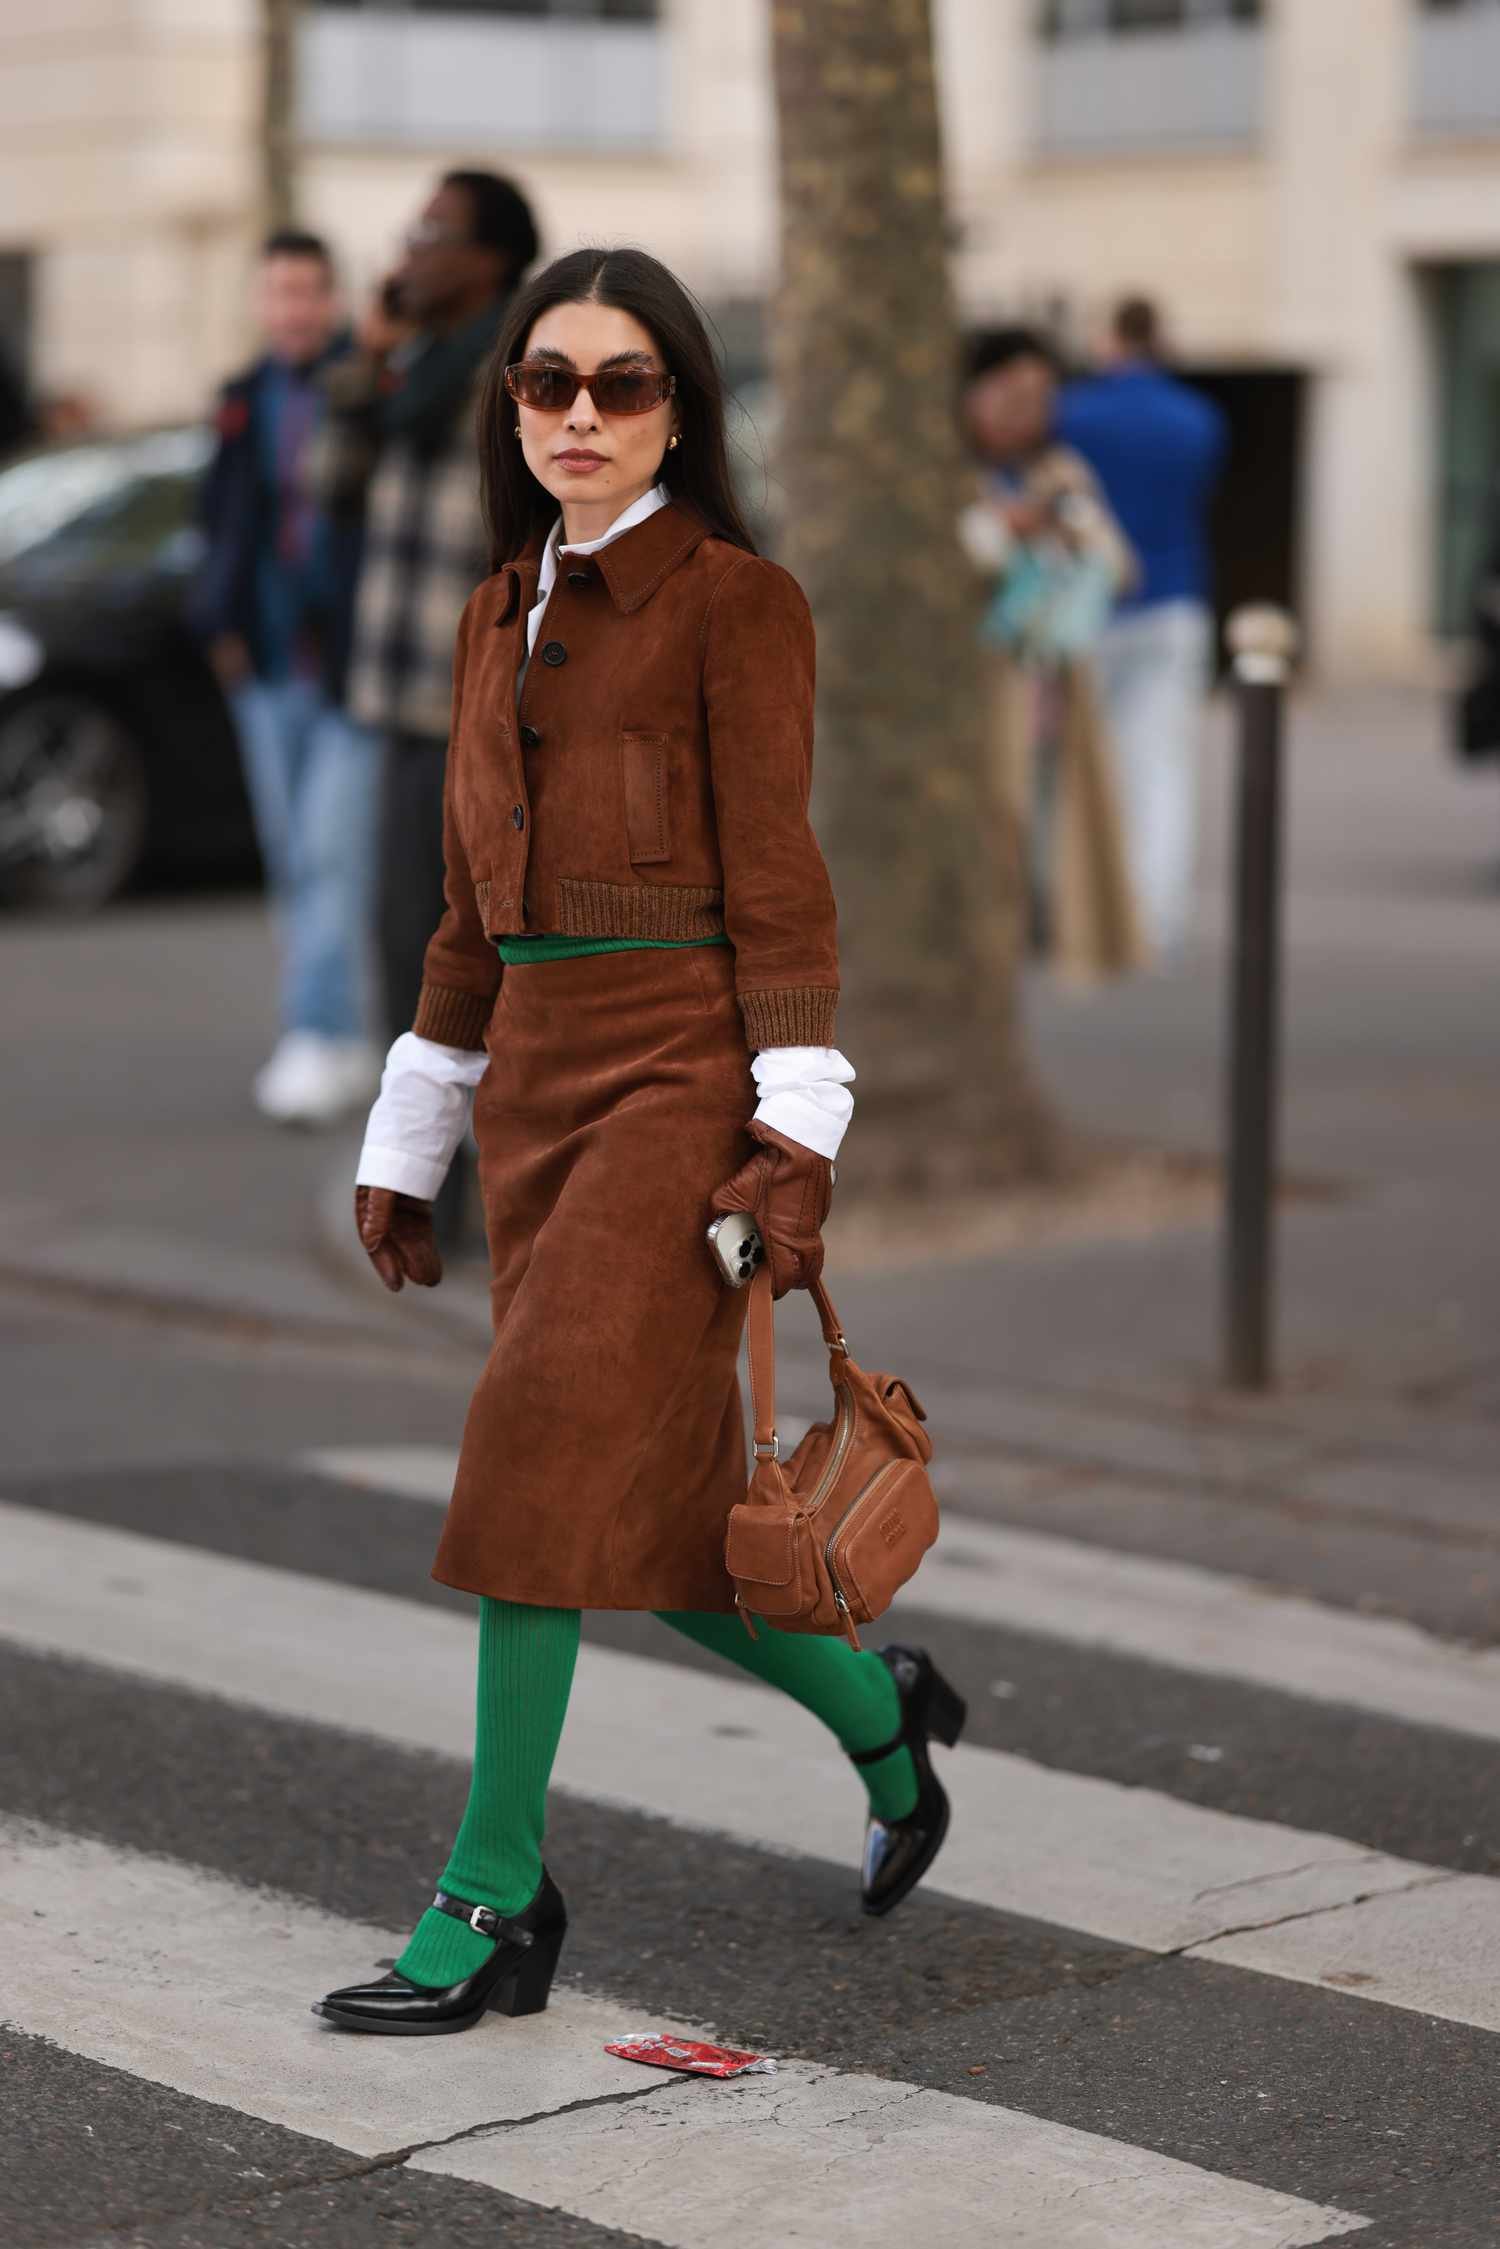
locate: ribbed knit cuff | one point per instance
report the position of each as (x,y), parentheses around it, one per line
(794,1015)
(452,1018)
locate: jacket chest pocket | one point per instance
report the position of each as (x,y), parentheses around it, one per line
(648,818)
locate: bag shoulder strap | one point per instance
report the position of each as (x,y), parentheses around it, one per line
(762,1354)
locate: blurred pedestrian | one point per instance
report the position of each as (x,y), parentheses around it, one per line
(1056,559)
(1157,447)
(273,601)
(400,445)
(400,451)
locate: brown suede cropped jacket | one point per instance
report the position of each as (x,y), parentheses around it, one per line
(653,783)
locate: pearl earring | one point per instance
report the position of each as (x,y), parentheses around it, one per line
(671,441)
(518,429)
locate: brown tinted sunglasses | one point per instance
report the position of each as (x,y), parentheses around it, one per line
(614,390)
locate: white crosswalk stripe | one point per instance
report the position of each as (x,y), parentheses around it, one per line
(1166,1612)
(192,1981)
(197,1983)
(1130,1865)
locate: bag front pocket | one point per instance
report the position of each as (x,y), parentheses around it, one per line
(768,1553)
(648,833)
(882,1536)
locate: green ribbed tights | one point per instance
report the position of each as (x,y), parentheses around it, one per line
(526,1660)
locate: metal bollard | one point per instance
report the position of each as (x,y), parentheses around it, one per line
(1263,642)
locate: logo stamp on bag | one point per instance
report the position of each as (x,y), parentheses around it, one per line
(892,1527)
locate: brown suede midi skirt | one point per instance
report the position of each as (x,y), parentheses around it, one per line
(604,1445)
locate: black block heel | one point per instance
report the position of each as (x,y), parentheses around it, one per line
(527,1991)
(516,1979)
(947,1712)
(898,1852)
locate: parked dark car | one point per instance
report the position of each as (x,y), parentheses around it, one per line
(117,755)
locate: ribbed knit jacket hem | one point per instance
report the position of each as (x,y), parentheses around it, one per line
(790,1015)
(666,911)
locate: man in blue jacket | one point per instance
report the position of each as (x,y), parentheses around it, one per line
(1157,447)
(274,603)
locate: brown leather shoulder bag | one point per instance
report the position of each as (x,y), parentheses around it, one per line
(825,1539)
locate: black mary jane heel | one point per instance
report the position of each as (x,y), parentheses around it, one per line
(515,1980)
(898,1853)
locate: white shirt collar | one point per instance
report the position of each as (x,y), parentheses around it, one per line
(637,512)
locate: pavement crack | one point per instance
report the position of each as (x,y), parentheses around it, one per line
(1282,1874)
(251,2190)
(492,2126)
(1307,1913)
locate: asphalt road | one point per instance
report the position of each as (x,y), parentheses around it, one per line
(1305,2086)
(1211,1955)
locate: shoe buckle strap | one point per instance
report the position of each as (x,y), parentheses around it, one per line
(484,1920)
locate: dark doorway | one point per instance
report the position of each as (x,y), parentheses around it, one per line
(15,349)
(1463,303)
(1257,513)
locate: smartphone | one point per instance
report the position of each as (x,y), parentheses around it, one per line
(736,1245)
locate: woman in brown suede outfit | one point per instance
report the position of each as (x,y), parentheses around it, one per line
(639,941)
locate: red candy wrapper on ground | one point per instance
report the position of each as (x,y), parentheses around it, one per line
(663,2051)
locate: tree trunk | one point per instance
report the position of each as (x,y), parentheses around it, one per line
(866,353)
(278,112)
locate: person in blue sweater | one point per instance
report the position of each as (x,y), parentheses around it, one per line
(1157,447)
(273,603)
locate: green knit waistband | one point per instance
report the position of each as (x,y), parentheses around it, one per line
(550,946)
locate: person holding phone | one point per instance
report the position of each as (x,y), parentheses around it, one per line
(637,969)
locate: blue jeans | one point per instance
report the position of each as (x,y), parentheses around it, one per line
(313,780)
(1154,668)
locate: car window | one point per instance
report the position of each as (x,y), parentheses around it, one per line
(118,503)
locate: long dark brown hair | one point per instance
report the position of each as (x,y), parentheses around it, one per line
(516,507)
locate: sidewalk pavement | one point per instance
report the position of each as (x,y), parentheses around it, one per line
(1071,1380)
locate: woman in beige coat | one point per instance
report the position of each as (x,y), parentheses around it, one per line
(1041,532)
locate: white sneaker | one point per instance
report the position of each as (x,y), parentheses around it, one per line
(312,1080)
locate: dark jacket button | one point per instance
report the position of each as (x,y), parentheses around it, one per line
(554,653)
(580,577)
(529,737)
(518,815)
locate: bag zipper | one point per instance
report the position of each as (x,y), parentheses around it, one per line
(840,1602)
(842,1438)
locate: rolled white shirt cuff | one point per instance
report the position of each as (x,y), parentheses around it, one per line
(804,1093)
(420,1115)
(421,1112)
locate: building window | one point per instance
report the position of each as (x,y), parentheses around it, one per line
(484,75)
(1148,77)
(1455,68)
(1061,20)
(599,11)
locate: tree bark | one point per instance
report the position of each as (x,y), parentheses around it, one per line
(278,113)
(866,354)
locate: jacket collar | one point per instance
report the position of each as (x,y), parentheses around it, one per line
(632,566)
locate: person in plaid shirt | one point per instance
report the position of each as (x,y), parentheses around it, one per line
(397,446)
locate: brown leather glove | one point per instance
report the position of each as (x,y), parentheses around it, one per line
(787,1190)
(396,1231)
